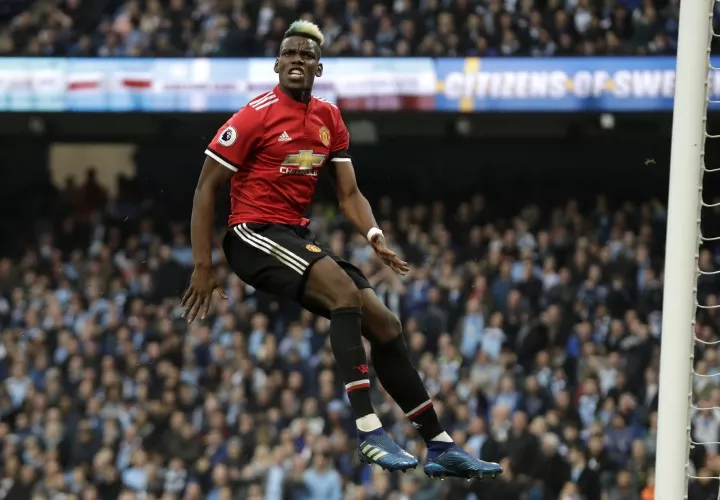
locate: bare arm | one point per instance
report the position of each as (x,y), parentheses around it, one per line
(212,176)
(353,204)
(356,209)
(203,283)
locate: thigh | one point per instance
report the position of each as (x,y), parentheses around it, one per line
(379,323)
(329,287)
(355,274)
(271,257)
(361,282)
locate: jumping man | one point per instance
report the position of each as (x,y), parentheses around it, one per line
(271,152)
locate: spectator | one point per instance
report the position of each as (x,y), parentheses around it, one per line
(321,482)
(537,336)
(200,28)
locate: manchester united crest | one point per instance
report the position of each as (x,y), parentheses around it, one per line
(325,135)
(313,248)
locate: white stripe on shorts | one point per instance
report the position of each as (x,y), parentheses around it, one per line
(270,247)
(268,250)
(275,245)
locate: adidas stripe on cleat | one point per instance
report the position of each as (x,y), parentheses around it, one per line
(377,448)
(371,452)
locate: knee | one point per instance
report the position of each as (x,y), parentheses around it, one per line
(396,325)
(394,328)
(346,294)
(385,332)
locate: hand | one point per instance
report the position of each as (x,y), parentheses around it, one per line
(197,298)
(388,257)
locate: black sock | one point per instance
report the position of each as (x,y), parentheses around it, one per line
(346,344)
(402,381)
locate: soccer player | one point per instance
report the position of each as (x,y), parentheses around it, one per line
(271,152)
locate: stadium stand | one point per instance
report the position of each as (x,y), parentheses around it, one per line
(239,28)
(537,335)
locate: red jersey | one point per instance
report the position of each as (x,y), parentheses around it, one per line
(276,147)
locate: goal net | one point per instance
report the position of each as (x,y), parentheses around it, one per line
(688,452)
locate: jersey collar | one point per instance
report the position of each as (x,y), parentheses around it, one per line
(286,100)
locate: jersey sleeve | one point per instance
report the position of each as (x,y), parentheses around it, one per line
(341,140)
(236,141)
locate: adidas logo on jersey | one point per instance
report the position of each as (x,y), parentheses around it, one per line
(284,137)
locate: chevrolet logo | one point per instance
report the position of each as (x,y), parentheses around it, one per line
(305,159)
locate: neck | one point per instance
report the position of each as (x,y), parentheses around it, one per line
(302,96)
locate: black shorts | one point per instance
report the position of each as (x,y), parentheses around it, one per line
(276,258)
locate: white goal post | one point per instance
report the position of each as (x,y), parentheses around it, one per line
(683,238)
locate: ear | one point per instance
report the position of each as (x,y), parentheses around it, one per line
(275,66)
(319,70)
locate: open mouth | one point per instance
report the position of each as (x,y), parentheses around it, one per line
(296,74)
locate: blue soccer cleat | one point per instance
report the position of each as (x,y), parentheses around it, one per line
(376,447)
(449,460)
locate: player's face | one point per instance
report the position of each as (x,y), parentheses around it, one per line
(298,63)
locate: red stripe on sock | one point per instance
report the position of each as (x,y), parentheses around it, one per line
(365,385)
(420,410)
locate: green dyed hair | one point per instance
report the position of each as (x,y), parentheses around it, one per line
(306,29)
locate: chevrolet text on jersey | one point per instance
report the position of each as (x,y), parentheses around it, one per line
(276,146)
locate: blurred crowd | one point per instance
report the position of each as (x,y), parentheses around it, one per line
(436,28)
(537,336)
